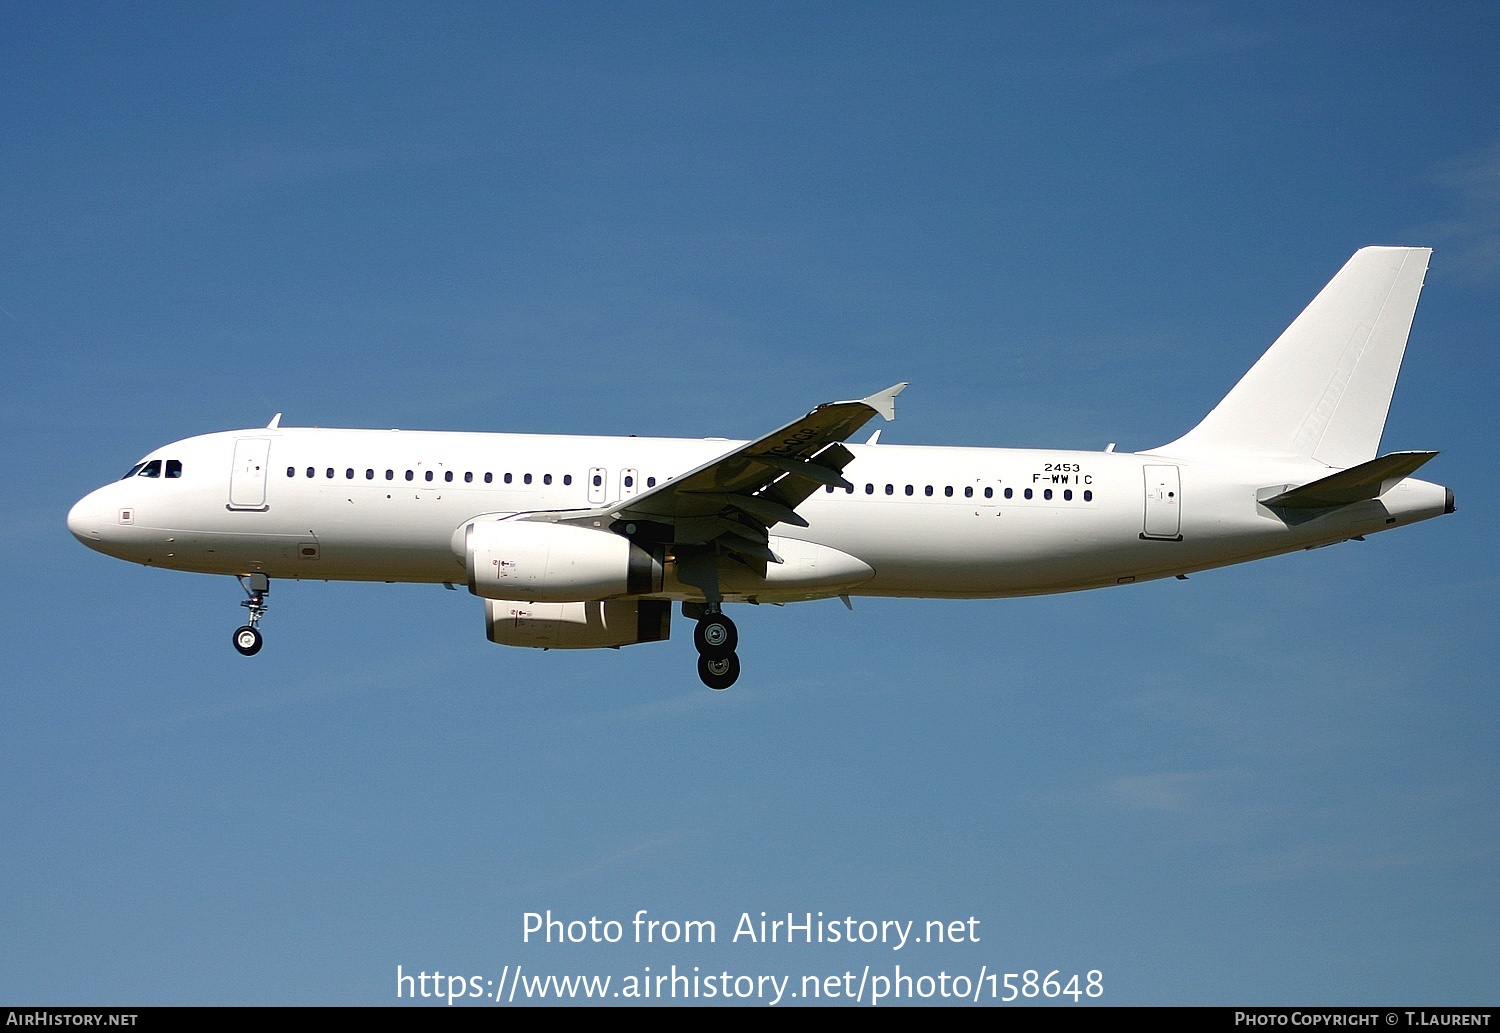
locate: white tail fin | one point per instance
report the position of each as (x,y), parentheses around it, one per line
(1323,389)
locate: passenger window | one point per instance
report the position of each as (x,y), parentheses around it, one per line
(929,489)
(469,477)
(948,491)
(908,489)
(174,468)
(989,493)
(1028,493)
(869,489)
(1047,494)
(410,476)
(349,474)
(369,475)
(629,481)
(969,492)
(546,478)
(829,489)
(527,478)
(1010,492)
(291,471)
(598,480)
(311,472)
(429,476)
(489,477)
(1088,496)
(390,475)
(1067,494)
(448,476)
(330,473)
(890,489)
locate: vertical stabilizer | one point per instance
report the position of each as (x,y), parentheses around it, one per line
(1323,389)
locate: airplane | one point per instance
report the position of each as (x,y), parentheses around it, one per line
(578,542)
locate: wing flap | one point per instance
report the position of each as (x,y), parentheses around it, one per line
(758,507)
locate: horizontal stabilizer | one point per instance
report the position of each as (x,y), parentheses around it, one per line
(1365,481)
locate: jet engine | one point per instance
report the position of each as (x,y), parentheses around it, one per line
(583,625)
(557,563)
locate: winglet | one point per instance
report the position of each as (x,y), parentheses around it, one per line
(275,422)
(884,402)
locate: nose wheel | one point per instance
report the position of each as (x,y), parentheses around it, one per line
(715,638)
(248,639)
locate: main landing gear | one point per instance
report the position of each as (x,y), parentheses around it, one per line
(247,639)
(715,637)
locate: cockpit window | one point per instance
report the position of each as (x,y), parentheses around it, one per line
(132,471)
(174,468)
(151,469)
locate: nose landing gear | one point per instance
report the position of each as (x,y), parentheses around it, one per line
(248,639)
(715,637)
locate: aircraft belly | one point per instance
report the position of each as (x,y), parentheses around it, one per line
(951,550)
(300,541)
(206,551)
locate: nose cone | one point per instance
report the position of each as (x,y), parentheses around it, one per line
(87,519)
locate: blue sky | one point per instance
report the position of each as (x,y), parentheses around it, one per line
(1065,224)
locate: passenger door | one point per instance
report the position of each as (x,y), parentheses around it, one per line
(247,477)
(1163,504)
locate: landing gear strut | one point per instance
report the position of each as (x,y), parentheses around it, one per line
(715,637)
(247,639)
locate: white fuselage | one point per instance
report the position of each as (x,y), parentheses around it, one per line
(929,521)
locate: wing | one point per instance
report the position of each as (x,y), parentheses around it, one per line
(735,499)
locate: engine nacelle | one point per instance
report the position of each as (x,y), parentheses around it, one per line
(544,562)
(596,624)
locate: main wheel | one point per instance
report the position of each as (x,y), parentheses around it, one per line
(719,674)
(247,640)
(715,636)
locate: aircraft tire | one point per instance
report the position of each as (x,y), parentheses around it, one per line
(715,637)
(248,641)
(719,674)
